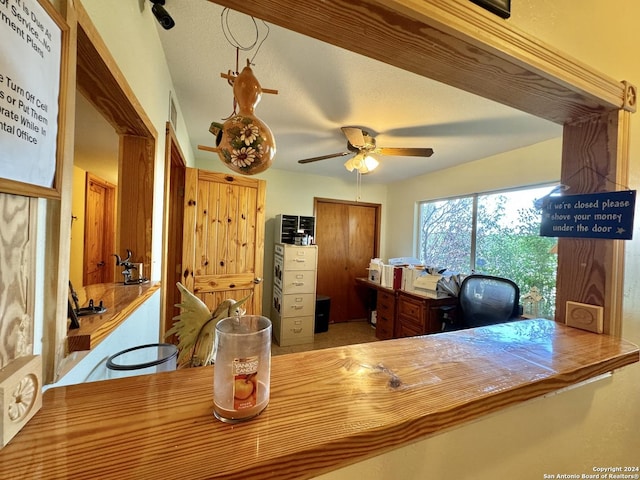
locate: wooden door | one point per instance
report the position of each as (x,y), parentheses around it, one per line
(347,234)
(223,242)
(99,231)
(173,235)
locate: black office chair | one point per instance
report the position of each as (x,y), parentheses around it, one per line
(487,300)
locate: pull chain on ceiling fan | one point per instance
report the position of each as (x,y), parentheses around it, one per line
(363,145)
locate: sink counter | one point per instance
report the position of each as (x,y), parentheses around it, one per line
(329,408)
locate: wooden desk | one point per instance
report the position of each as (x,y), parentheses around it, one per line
(383,301)
(418,315)
(329,408)
(405,314)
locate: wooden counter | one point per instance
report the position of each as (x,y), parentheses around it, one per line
(328,408)
(119,300)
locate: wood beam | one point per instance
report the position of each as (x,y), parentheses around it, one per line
(456,43)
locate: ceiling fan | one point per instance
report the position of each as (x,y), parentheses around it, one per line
(363,145)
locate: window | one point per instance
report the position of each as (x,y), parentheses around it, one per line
(495,234)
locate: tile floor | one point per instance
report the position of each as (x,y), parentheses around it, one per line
(344,333)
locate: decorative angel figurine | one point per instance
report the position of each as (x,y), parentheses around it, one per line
(195,327)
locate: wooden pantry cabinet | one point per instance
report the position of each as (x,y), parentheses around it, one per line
(294,293)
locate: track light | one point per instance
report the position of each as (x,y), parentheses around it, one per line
(163,17)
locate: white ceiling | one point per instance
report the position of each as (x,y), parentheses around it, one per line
(321,88)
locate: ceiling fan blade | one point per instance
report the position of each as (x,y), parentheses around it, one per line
(354,136)
(405,152)
(324,157)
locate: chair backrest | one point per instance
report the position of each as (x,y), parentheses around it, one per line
(486,300)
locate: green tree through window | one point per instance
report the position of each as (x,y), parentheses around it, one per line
(496,234)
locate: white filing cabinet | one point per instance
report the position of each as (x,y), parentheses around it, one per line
(294,293)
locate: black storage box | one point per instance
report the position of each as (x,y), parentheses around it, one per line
(323,306)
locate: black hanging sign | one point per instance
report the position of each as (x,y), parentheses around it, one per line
(592,215)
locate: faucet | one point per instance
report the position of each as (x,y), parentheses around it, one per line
(128,266)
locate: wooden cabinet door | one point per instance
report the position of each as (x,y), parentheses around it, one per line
(347,234)
(223,242)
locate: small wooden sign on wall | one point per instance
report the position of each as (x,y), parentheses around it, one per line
(593,215)
(20,395)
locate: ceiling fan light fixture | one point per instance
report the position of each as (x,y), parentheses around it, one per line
(370,164)
(354,163)
(349,165)
(361,162)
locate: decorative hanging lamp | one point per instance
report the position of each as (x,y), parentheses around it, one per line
(244,143)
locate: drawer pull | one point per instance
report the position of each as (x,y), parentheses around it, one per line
(297,330)
(297,307)
(298,284)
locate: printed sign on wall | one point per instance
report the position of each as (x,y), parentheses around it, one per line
(592,215)
(30,69)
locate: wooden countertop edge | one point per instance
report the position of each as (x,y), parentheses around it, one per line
(89,335)
(312,427)
(356,448)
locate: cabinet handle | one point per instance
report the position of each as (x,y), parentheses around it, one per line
(297,330)
(297,307)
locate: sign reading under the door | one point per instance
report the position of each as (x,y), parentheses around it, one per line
(594,215)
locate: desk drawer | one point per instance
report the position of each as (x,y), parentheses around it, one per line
(384,327)
(386,304)
(410,308)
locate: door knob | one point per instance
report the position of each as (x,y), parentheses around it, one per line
(257,280)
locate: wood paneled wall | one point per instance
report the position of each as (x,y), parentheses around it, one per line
(17,276)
